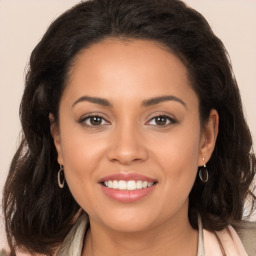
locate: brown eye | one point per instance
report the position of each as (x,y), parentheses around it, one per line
(161,121)
(93,121)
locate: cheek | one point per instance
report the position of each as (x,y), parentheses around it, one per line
(179,158)
(81,159)
(80,163)
(80,149)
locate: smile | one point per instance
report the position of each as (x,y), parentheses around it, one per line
(128,185)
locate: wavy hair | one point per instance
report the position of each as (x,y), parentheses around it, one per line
(38,214)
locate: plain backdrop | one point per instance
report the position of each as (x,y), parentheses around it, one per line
(23,22)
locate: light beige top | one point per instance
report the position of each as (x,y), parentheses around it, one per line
(208,244)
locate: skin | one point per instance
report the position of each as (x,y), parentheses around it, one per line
(128,139)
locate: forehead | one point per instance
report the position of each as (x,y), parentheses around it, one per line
(141,53)
(130,67)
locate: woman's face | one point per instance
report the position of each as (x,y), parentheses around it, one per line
(129,135)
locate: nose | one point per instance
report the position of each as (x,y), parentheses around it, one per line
(127,146)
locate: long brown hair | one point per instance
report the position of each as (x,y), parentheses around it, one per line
(38,214)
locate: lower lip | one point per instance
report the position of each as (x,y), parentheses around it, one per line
(127,196)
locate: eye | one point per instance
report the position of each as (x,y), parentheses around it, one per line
(161,120)
(93,120)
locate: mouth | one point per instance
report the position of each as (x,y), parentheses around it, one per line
(129,185)
(127,188)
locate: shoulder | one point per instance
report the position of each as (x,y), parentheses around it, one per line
(3,252)
(73,243)
(235,242)
(247,233)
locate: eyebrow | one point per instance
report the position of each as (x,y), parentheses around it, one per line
(157,100)
(95,100)
(145,103)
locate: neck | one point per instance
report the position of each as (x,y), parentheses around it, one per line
(167,237)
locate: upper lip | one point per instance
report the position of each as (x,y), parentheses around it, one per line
(126,177)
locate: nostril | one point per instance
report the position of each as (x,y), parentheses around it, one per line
(127,154)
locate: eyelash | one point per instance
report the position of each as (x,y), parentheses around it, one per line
(91,116)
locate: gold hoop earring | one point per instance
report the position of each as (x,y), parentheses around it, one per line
(61,177)
(203,173)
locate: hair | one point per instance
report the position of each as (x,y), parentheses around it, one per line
(38,214)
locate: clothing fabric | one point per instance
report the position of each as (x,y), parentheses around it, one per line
(209,244)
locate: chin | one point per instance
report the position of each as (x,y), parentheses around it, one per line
(129,220)
(125,226)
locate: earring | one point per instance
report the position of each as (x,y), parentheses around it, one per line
(61,178)
(203,173)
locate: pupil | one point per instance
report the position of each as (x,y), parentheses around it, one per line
(161,120)
(96,120)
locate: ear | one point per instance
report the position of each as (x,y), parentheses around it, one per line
(55,132)
(208,138)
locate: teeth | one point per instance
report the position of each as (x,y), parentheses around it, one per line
(139,184)
(122,185)
(127,185)
(115,184)
(144,184)
(110,184)
(131,185)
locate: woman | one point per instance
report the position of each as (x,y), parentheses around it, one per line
(134,141)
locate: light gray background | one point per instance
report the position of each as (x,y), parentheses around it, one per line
(23,22)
